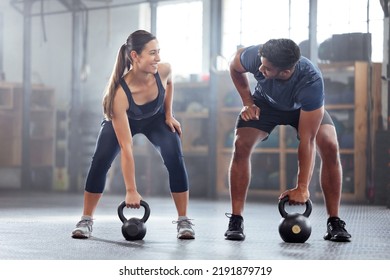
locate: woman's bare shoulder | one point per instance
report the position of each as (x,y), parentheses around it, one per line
(164,69)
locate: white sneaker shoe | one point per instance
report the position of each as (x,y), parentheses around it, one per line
(83,229)
(184,229)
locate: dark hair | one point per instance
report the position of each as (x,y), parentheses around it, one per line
(282,53)
(135,42)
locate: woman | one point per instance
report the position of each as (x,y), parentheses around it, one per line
(137,99)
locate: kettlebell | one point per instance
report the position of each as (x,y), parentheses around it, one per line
(295,227)
(134,228)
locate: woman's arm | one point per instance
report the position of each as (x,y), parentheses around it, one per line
(166,77)
(121,126)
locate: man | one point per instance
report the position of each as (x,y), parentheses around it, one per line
(289,91)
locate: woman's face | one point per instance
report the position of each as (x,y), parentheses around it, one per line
(149,58)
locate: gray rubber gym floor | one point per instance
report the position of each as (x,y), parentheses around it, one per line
(37,226)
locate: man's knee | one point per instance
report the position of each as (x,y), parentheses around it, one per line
(329,150)
(242,149)
(245,140)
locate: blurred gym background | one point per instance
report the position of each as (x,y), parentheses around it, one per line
(56,57)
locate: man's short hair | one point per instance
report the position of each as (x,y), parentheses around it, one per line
(282,53)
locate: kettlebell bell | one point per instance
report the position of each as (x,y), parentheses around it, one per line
(295,227)
(134,228)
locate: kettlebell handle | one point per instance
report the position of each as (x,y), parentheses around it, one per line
(283,212)
(143,204)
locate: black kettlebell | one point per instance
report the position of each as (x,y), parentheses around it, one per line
(295,227)
(134,228)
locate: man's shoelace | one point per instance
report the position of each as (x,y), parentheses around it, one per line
(338,224)
(234,223)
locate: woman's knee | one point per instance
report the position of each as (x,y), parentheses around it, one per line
(178,177)
(179,188)
(178,180)
(97,173)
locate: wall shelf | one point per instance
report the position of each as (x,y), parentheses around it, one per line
(42,131)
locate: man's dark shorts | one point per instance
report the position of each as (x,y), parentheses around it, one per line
(270,118)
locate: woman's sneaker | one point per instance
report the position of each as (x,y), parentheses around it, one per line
(83,229)
(336,230)
(184,228)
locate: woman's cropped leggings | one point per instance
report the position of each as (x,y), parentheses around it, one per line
(166,142)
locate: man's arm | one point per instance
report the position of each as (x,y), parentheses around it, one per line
(241,82)
(309,123)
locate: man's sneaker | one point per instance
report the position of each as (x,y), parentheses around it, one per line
(336,230)
(83,229)
(184,229)
(236,227)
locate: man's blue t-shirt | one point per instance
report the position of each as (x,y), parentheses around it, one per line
(304,90)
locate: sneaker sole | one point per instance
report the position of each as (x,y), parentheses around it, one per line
(79,235)
(186,236)
(235,237)
(337,239)
(340,239)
